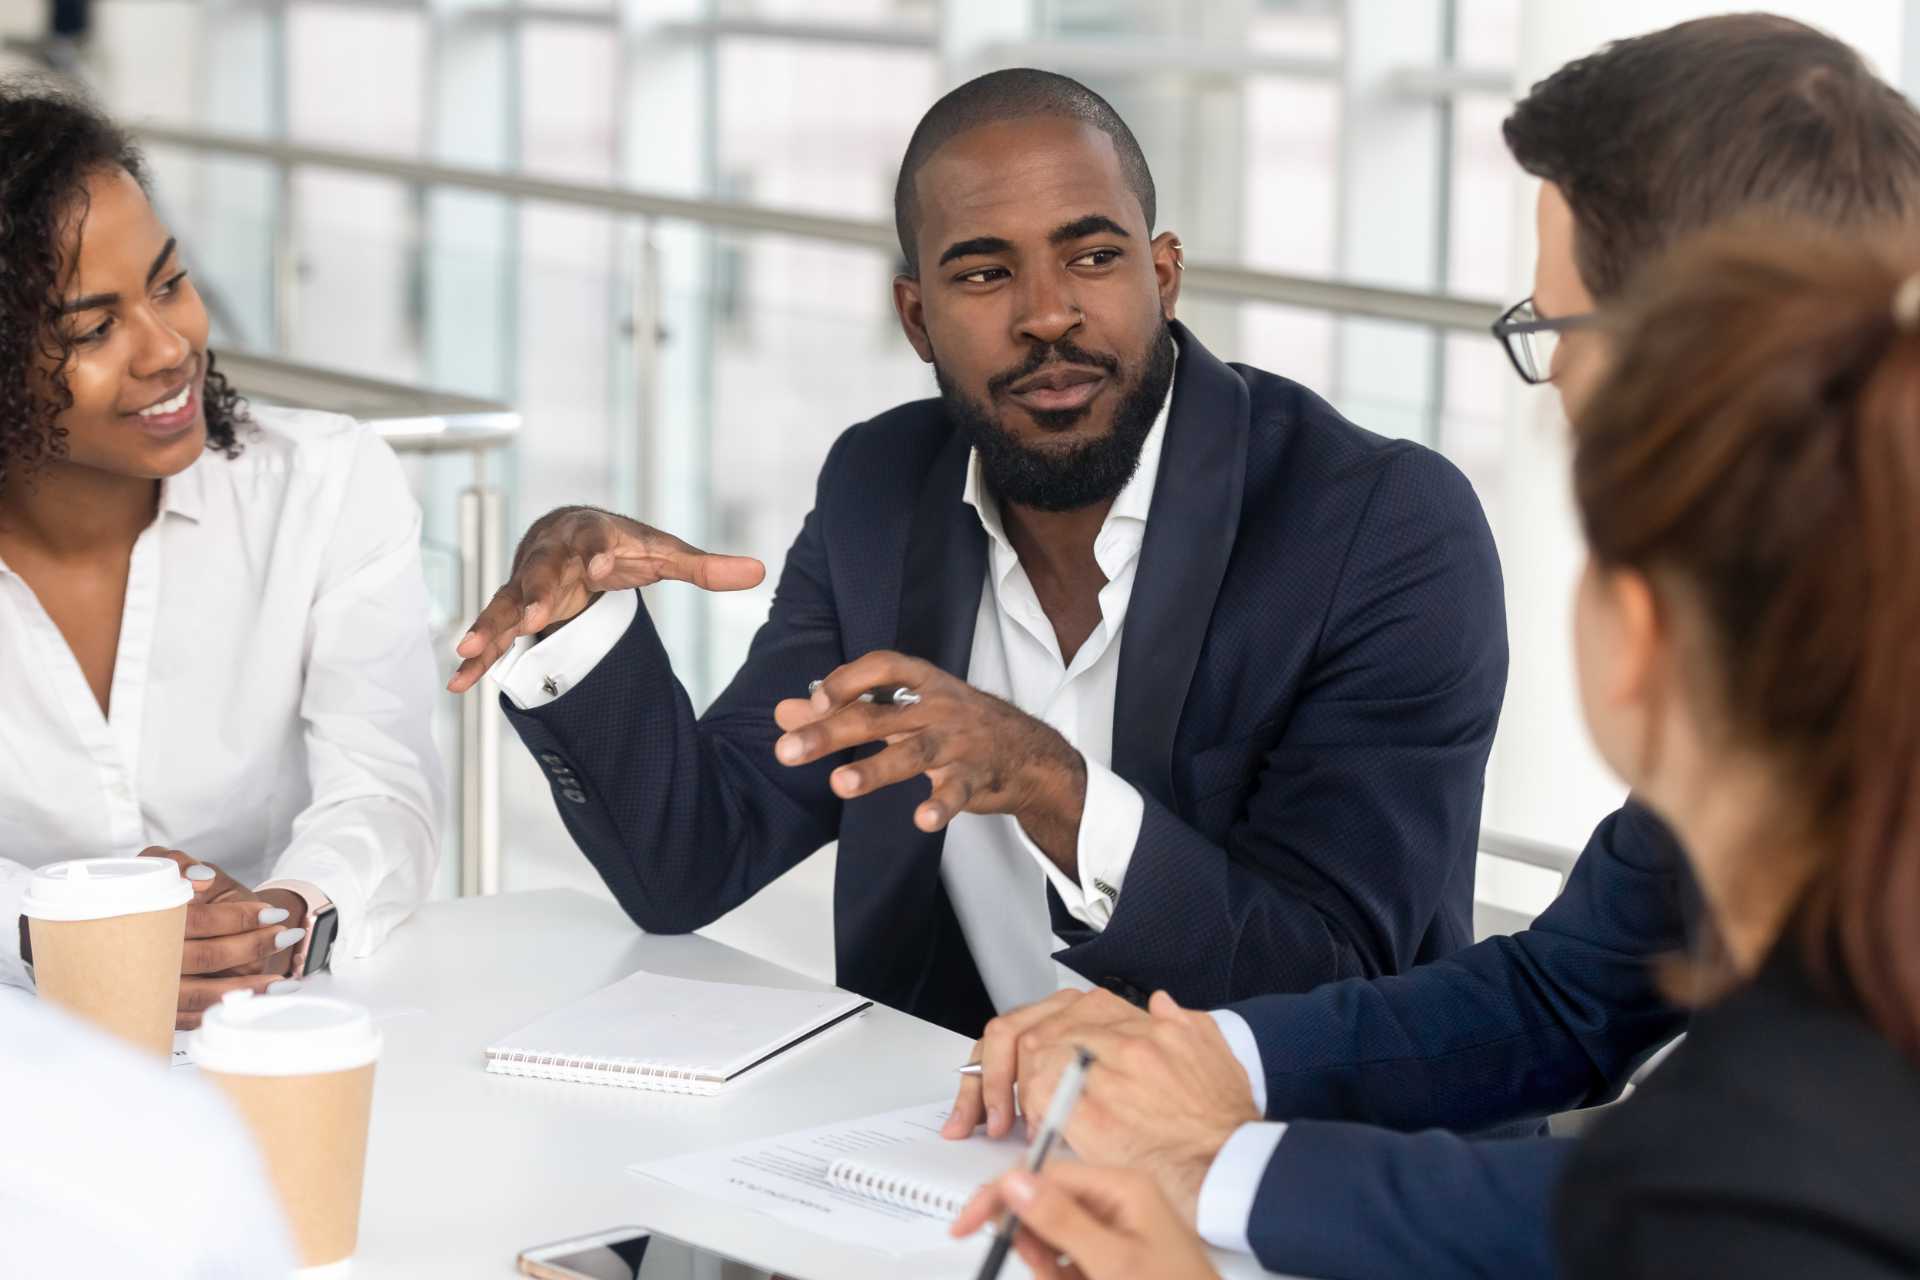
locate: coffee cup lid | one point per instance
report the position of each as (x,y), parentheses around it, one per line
(99,888)
(290,1035)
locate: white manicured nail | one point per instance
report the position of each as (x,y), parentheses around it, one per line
(272,915)
(287,937)
(283,986)
(201,874)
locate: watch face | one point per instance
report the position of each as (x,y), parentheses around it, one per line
(320,949)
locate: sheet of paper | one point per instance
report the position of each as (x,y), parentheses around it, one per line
(786,1177)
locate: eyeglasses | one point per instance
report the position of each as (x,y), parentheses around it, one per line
(1530,338)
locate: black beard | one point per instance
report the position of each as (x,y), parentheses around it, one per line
(1065,479)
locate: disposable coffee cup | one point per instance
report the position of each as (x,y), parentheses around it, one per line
(107,935)
(300,1070)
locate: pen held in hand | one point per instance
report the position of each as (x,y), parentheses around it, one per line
(891,696)
(1059,1111)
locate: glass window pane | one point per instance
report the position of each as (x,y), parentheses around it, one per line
(1292,178)
(356,77)
(818,127)
(567,101)
(356,287)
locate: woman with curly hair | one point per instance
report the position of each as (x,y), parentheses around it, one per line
(213,624)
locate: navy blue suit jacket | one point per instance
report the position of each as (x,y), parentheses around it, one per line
(1311,671)
(1370,1074)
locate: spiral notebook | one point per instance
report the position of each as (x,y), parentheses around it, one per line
(935,1176)
(886,1182)
(669,1035)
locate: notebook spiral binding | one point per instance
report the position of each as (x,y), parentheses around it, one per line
(902,1192)
(626,1073)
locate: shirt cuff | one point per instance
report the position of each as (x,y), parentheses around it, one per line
(1246,1050)
(1110,820)
(1233,1181)
(533,673)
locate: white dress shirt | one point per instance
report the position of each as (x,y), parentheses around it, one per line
(995,876)
(116,1166)
(271,703)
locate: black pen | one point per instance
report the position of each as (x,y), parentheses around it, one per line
(1059,1111)
(891,696)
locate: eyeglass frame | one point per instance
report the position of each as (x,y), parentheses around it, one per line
(1507,328)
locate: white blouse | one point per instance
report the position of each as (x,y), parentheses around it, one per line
(272,695)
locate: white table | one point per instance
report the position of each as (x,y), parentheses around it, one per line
(465,1169)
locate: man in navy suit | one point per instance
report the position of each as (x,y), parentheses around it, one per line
(1368,1082)
(1173,677)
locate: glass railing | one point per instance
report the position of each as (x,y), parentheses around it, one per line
(453,448)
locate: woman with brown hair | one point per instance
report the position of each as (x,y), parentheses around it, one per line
(1749,649)
(1748,635)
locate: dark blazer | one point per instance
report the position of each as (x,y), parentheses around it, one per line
(1781,1139)
(1311,672)
(1372,1075)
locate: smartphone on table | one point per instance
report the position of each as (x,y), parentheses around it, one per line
(631,1253)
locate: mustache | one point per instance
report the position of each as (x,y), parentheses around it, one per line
(1065,351)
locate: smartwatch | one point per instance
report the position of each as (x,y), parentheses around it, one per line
(312,953)
(316,949)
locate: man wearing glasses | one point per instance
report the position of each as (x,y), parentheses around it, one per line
(1530,338)
(1730,118)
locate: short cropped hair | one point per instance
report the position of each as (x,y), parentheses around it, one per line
(1015,94)
(1731,117)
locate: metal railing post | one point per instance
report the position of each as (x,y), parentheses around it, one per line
(647,317)
(481,525)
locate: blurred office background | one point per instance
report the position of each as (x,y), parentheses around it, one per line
(659,231)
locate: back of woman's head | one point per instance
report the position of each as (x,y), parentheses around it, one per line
(1758,443)
(52,140)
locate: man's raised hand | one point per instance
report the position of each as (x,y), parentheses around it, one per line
(567,559)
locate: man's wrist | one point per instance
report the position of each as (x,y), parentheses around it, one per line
(1053,824)
(1224,1212)
(1182,1182)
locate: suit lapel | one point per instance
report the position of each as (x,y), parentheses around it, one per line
(944,571)
(1190,534)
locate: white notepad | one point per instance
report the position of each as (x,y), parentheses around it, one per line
(887,1182)
(670,1035)
(932,1175)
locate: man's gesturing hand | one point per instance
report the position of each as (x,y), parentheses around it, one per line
(569,557)
(981,754)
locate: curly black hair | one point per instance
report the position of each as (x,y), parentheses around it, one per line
(52,139)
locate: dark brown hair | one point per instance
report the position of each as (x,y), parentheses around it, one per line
(1673,132)
(52,139)
(1757,441)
